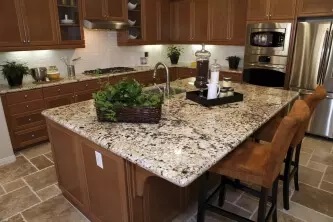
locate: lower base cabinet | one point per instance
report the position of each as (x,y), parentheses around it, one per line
(119,191)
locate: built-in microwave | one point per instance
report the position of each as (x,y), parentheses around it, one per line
(268,39)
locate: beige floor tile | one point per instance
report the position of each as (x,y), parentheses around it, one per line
(326,186)
(14,185)
(308,145)
(49,156)
(16,201)
(313,198)
(323,158)
(309,176)
(41,162)
(42,179)
(48,192)
(21,167)
(319,145)
(248,203)
(56,209)
(304,158)
(2,191)
(16,218)
(236,210)
(328,176)
(283,217)
(232,194)
(317,166)
(36,150)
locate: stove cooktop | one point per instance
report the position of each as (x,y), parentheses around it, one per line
(112,70)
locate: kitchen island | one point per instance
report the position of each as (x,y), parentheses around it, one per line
(144,172)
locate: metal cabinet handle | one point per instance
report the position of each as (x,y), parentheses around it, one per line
(29,119)
(33,135)
(86,85)
(27,106)
(25,96)
(59,90)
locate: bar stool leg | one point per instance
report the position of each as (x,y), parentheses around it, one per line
(297,156)
(262,205)
(202,197)
(286,178)
(222,191)
(274,199)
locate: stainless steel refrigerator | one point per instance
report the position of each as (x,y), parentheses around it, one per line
(313,65)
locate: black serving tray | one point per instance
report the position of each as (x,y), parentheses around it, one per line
(195,97)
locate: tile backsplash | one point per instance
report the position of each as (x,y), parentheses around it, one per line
(102,51)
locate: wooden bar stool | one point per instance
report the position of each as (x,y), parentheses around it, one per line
(255,163)
(291,167)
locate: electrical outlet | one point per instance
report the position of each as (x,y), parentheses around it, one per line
(99,159)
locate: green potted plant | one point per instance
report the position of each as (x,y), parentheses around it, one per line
(173,53)
(14,73)
(127,102)
(233,61)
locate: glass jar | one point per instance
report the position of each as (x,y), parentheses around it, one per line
(231,92)
(215,69)
(226,82)
(223,93)
(202,58)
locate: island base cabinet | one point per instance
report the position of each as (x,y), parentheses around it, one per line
(108,188)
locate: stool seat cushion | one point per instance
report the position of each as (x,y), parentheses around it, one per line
(247,163)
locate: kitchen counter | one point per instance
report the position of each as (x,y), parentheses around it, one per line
(189,138)
(5,88)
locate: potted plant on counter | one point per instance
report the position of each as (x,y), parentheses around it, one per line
(233,61)
(14,73)
(174,53)
(127,102)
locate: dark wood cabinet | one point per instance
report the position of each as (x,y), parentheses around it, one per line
(68,162)
(94,9)
(199,32)
(315,8)
(57,101)
(84,95)
(40,22)
(105,9)
(181,20)
(227,19)
(261,10)
(11,24)
(150,20)
(163,7)
(105,205)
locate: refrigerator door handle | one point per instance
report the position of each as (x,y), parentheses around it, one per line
(322,57)
(329,52)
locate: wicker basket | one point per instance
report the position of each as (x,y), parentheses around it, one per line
(133,115)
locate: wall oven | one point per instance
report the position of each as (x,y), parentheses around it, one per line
(268,38)
(266,54)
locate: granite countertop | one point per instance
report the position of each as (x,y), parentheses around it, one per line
(5,88)
(189,138)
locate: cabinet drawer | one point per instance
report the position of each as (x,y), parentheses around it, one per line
(235,77)
(26,107)
(58,90)
(24,96)
(27,120)
(87,85)
(31,136)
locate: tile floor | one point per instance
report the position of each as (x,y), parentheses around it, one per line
(29,191)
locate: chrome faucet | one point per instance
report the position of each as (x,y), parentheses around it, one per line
(167,88)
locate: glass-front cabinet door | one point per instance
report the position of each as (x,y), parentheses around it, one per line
(70,22)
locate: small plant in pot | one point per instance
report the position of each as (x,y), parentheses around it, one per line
(127,102)
(14,73)
(233,61)
(174,53)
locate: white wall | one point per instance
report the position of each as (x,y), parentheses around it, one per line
(6,150)
(218,52)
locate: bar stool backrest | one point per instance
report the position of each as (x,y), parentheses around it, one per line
(312,101)
(286,131)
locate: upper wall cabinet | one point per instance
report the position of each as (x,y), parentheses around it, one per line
(189,20)
(260,10)
(105,9)
(227,19)
(315,7)
(11,26)
(27,23)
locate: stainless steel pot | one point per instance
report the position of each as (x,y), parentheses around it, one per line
(39,74)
